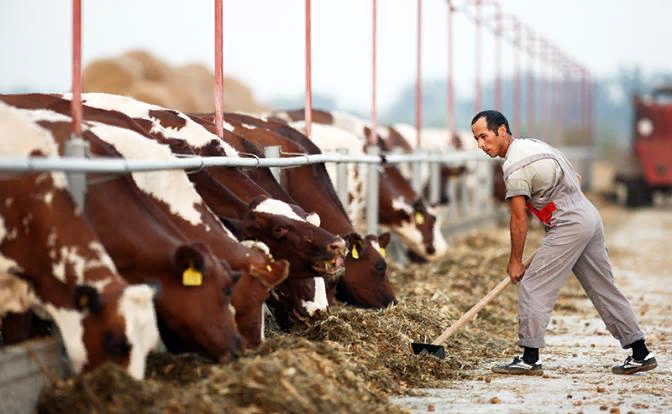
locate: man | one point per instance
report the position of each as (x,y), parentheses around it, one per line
(539,178)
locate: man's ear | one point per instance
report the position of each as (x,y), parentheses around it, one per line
(501,131)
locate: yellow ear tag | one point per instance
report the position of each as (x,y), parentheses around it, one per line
(192,277)
(382,251)
(355,253)
(419,218)
(268,267)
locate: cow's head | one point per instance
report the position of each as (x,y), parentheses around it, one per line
(409,217)
(253,289)
(299,300)
(366,283)
(294,235)
(194,307)
(117,324)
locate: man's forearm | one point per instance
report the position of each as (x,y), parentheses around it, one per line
(518,228)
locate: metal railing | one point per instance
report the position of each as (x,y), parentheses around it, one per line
(471,205)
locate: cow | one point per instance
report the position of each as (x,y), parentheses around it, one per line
(193,309)
(365,282)
(52,261)
(287,230)
(401,210)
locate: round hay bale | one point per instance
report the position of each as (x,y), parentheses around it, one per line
(186,97)
(109,75)
(152,68)
(153,93)
(238,96)
(200,80)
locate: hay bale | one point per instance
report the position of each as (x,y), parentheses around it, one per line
(239,97)
(200,82)
(151,67)
(153,93)
(110,75)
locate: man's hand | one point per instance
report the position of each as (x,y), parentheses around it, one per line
(516,270)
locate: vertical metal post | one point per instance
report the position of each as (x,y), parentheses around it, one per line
(342,179)
(477,69)
(516,79)
(308,116)
(464,197)
(416,178)
(530,83)
(76,146)
(273,152)
(219,70)
(373,193)
(373,136)
(498,57)
(434,182)
(450,99)
(418,78)
(452,195)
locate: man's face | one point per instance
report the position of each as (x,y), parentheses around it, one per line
(488,141)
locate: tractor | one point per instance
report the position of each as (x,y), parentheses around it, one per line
(648,168)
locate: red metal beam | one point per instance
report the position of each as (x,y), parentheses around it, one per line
(373,137)
(76,103)
(418,77)
(477,65)
(309,87)
(530,82)
(219,69)
(450,98)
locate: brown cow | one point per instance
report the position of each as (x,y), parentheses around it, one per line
(401,209)
(365,282)
(149,247)
(46,242)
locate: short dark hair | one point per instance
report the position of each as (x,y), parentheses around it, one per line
(494,119)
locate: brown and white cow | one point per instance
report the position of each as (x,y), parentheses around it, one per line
(401,209)
(193,308)
(365,282)
(51,260)
(286,229)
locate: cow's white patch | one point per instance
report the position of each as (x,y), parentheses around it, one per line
(400,204)
(263,323)
(21,136)
(314,219)
(8,202)
(232,310)
(137,307)
(16,295)
(278,207)
(69,255)
(249,126)
(104,259)
(330,138)
(48,197)
(13,234)
(69,322)
(410,236)
(257,245)
(192,132)
(280,115)
(375,245)
(319,302)
(7,264)
(172,187)
(440,244)
(384,132)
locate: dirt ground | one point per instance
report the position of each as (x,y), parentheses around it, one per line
(580,351)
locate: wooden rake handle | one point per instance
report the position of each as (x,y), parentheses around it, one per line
(477,307)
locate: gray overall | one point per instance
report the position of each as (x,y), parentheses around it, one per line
(574,240)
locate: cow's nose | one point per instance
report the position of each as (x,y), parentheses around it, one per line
(431,250)
(336,246)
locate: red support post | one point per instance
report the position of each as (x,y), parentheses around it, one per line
(477,49)
(76,103)
(450,98)
(543,56)
(418,78)
(219,69)
(498,57)
(530,83)
(309,87)
(373,137)
(516,78)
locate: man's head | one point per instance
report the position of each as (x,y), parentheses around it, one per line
(491,132)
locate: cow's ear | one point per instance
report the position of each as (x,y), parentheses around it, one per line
(87,298)
(352,238)
(190,264)
(384,239)
(235,226)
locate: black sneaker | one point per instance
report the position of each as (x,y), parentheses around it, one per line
(631,365)
(518,367)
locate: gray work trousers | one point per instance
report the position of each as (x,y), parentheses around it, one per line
(578,245)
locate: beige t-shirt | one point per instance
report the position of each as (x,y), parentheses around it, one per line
(537,178)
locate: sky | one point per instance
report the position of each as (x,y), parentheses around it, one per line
(264,41)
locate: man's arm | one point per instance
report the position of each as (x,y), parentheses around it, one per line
(518,229)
